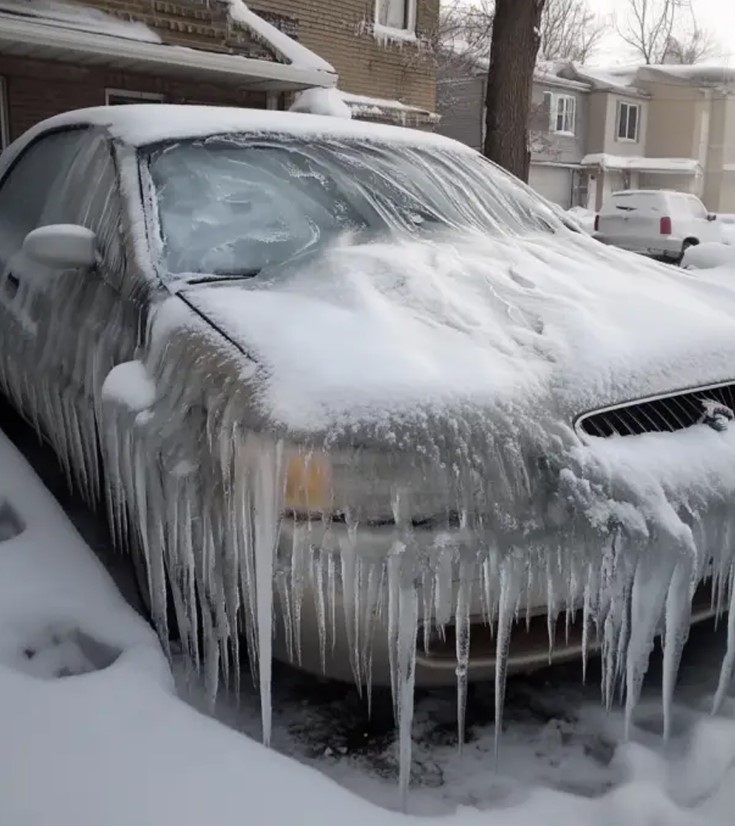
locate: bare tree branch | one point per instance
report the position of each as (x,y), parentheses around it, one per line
(570,30)
(692,47)
(657,31)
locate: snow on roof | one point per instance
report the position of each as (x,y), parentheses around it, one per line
(612,78)
(293,52)
(362,105)
(145,123)
(642,164)
(70,15)
(706,75)
(546,72)
(58,16)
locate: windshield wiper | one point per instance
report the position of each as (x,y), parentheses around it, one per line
(225,276)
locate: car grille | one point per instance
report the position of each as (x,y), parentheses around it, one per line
(712,405)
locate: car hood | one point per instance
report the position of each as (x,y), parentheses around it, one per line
(552,320)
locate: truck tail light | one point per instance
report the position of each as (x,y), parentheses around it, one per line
(665,226)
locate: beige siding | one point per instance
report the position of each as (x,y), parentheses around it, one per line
(597,122)
(603,124)
(678,115)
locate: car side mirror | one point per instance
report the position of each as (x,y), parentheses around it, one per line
(711,216)
(62,246)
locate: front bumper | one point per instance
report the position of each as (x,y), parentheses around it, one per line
(436,662)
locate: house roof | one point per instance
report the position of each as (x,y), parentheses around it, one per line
(696,74)
(619,79)
(63,30)
(545,73)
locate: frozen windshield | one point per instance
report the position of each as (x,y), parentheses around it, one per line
(235,205)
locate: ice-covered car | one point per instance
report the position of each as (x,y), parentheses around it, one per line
(355,390)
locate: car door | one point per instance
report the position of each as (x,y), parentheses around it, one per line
(26,188)
(80,323)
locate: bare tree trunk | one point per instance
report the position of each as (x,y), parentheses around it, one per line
(515,44)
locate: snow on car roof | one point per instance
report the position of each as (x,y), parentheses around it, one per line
(146,123)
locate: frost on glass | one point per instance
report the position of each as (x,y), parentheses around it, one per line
(301,486)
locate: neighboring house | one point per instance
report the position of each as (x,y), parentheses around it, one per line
(558,124)
(662,127)
(66,54)
(648,127)
(616,135)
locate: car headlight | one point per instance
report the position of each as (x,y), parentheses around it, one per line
(308,484)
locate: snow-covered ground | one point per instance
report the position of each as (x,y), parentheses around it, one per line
(92,729)
(584,217)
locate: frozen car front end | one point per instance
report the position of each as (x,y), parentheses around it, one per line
(367,381)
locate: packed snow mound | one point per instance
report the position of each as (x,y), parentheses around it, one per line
(60,615)
(367,330)
(321,102)
(709,256)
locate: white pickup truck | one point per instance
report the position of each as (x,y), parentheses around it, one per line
(658,223)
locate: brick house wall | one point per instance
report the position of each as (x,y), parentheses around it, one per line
(340,31)
(32,97)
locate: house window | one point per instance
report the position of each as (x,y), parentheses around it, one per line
(118,97)
(396,15)
(629,119)
(4,126)
(562,113)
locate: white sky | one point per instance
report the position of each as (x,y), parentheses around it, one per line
(716,15)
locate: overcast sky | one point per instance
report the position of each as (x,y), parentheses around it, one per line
(716,15)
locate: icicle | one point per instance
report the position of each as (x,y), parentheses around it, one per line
(393,584)
(428,584)
(650,585)
(332,596)
(728,663)
(590,609)
(370,608)
(551,614)
(320,607)
(300,550)
(286,612)
(508,596)
(405,678)
(462,644)
(268,487)
(443,589)
(678,616)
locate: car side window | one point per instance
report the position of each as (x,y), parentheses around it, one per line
(89,195)
(29,185)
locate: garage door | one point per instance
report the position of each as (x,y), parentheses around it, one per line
(553,182)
